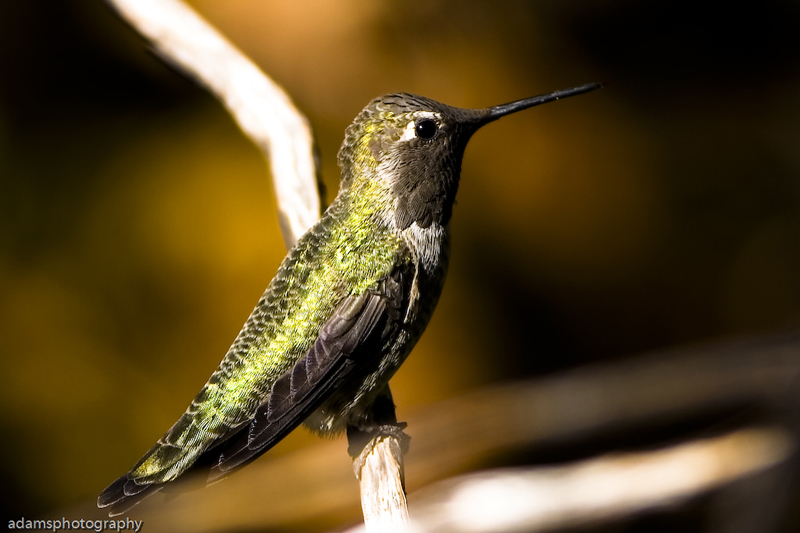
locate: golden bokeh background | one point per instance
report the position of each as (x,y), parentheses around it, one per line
(138,226)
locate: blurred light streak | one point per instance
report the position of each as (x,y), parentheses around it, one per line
(598,489)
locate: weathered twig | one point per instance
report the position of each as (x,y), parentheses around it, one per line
(383,495)
(267,116)
(377,450)
(261,108)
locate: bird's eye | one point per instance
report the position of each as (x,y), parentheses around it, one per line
(426,128)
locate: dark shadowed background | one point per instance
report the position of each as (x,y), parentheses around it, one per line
(138,226)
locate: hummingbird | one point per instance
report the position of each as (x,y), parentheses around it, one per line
(347,305)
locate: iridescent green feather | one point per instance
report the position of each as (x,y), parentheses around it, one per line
(342,255)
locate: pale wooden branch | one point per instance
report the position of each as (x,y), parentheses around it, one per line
(268,117)
(383,496)
(263,111)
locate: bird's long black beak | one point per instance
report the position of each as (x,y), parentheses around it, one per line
(493,113)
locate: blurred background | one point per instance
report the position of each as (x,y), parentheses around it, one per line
(138,225)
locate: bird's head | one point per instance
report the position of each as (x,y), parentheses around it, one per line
(407,151)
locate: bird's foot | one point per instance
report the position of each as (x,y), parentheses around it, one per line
(362,441)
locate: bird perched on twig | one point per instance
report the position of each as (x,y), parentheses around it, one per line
(348,303)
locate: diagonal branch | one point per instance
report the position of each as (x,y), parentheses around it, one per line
(263,111)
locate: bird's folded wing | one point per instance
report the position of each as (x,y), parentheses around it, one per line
(351,335)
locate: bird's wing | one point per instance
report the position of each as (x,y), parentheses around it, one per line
(351,335)
(345,341)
